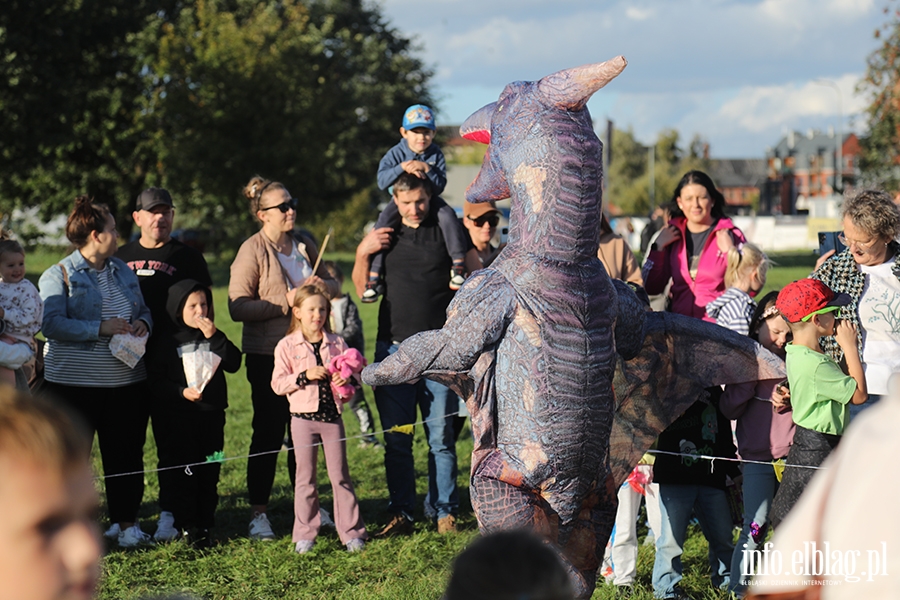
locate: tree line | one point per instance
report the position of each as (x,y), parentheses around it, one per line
(109,97)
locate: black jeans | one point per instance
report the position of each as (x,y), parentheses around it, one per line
(119,417)
(271,419)
(164,437)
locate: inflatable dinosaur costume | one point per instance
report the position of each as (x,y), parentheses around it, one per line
(558,363)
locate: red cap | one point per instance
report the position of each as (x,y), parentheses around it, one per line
(800,300)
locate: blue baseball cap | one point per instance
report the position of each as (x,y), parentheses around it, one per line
(418,115)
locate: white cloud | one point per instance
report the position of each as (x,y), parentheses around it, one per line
(759,108)
(639,14)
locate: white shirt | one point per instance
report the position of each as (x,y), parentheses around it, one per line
(296,268)
(879,319)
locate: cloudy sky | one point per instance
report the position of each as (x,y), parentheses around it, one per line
(738,72)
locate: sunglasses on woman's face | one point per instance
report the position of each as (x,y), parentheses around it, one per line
(284,206)
(493,220)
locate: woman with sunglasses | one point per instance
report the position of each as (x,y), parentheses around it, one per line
(869,272)
(481,220)
(268,269)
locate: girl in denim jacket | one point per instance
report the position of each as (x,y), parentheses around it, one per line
(301,374)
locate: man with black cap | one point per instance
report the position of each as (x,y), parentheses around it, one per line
(160,261)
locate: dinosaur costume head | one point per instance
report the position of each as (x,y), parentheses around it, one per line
(545,156)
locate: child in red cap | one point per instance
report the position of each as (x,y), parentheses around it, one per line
(819,390)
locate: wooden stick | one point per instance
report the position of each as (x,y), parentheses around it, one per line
(322,249)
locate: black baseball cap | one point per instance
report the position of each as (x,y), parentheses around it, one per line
(153,197)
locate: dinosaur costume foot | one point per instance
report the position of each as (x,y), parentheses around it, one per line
(502,501)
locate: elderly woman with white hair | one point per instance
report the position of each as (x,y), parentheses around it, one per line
(869,272)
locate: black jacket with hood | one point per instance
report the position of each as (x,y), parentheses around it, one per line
(165,368)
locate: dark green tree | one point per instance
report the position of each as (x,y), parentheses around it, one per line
(629,175)
(881,144)
(310,94)
(107,97)
(70,97)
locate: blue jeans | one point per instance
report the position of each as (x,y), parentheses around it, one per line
(397,406)
(676,503)
(759,487)
(855,409)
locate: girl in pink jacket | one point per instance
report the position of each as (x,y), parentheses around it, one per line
(301,373)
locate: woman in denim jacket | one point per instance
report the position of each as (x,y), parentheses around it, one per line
(89,297)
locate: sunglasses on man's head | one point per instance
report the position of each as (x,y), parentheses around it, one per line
(493,220)
(284,206)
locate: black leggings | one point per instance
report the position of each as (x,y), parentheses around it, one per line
(271,419)
(119,417)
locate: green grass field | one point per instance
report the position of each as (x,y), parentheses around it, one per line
(414,567)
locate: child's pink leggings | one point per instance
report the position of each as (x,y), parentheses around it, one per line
(306,434)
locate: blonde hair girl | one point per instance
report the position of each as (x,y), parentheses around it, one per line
(745,276)
(301,374)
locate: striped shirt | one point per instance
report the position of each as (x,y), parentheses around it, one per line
(732,310)
(94,365)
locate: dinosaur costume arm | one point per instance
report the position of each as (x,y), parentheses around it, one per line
(476,319)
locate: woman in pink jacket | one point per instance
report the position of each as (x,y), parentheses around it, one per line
(692,251)
(301,373)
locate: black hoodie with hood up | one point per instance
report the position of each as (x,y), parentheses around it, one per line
(166,369)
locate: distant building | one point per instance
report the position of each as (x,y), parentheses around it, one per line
(801,167)
(740,181)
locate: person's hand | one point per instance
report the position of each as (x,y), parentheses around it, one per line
(140,329)
(8,339)
(206,326)
(724,240)
(192,395)
(290,298)
(113,326)
(376,241)
(338,380)
(821,260)
(317,373)
(415,167)
(781,399)
(667,236)
(845,334)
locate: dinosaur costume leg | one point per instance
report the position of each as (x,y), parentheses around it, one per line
(502,502)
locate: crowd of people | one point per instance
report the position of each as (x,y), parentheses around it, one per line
(142,316)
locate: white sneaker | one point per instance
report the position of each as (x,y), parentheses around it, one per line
(304,546)
(456,280)
(356,545)
(325,519)
(113,531)
(260,529)
(165,528)
(133,537)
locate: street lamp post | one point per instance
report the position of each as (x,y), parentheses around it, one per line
(839,167)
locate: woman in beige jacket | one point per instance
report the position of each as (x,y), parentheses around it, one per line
(267,270)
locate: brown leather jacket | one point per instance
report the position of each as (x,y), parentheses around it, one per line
(257,288)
